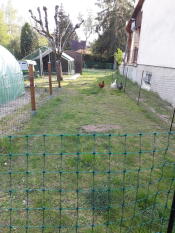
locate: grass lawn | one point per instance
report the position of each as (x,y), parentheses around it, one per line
(44,81)
(81,102)
(67,179)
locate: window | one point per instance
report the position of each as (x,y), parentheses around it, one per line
(147,78)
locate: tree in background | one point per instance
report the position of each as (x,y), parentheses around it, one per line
(28,40)
(64,20)
(10,25)
(59,39)
(88,25)
(14,47)
(11,20)
(10,30)
(4,36)
(42,41)
(111,21)
(14,29)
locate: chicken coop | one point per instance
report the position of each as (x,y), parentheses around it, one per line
(45,54)
(11,78)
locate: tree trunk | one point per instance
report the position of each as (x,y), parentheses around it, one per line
(59,69)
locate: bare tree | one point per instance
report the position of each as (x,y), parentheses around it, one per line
(59,38)
(88,25)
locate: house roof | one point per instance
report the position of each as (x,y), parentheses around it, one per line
(134,14)
(67,57)
(44,51)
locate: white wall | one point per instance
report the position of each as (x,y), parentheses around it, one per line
(157,41)
(162,81)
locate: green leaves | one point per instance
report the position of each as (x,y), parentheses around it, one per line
(118,56)
(111,26)
(29,40)
(4,37)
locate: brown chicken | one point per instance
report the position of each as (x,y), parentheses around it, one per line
(102,84)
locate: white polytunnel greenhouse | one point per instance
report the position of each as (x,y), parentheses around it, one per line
(11,78)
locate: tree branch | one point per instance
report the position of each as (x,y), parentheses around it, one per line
(40,19)
(57,26)
(39,24)
(56,40)
(34,17)
(64,33)
(70,34)
(46,20)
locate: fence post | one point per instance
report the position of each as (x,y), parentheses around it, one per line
(138,101)
(172,120)
(32,89)
(172,216)
(124,69)
(126,78)
(50,78)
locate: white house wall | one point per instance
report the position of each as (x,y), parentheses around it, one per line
(157,41)
(162,81)
(157,48)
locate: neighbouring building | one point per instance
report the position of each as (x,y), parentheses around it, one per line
(151,47)
(78,59)
(78,45)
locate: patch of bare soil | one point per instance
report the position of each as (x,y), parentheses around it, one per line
(99,128)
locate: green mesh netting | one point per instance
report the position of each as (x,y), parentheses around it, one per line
(11,79)
(87,183)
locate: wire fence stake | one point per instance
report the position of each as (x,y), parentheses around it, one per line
(32,89)
(50,78)
(172,216)
(138,101)
(172,120)
(126,78)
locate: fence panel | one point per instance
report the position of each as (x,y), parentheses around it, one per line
(87,183)
(15,112)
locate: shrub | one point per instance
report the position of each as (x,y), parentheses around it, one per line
(118,56)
